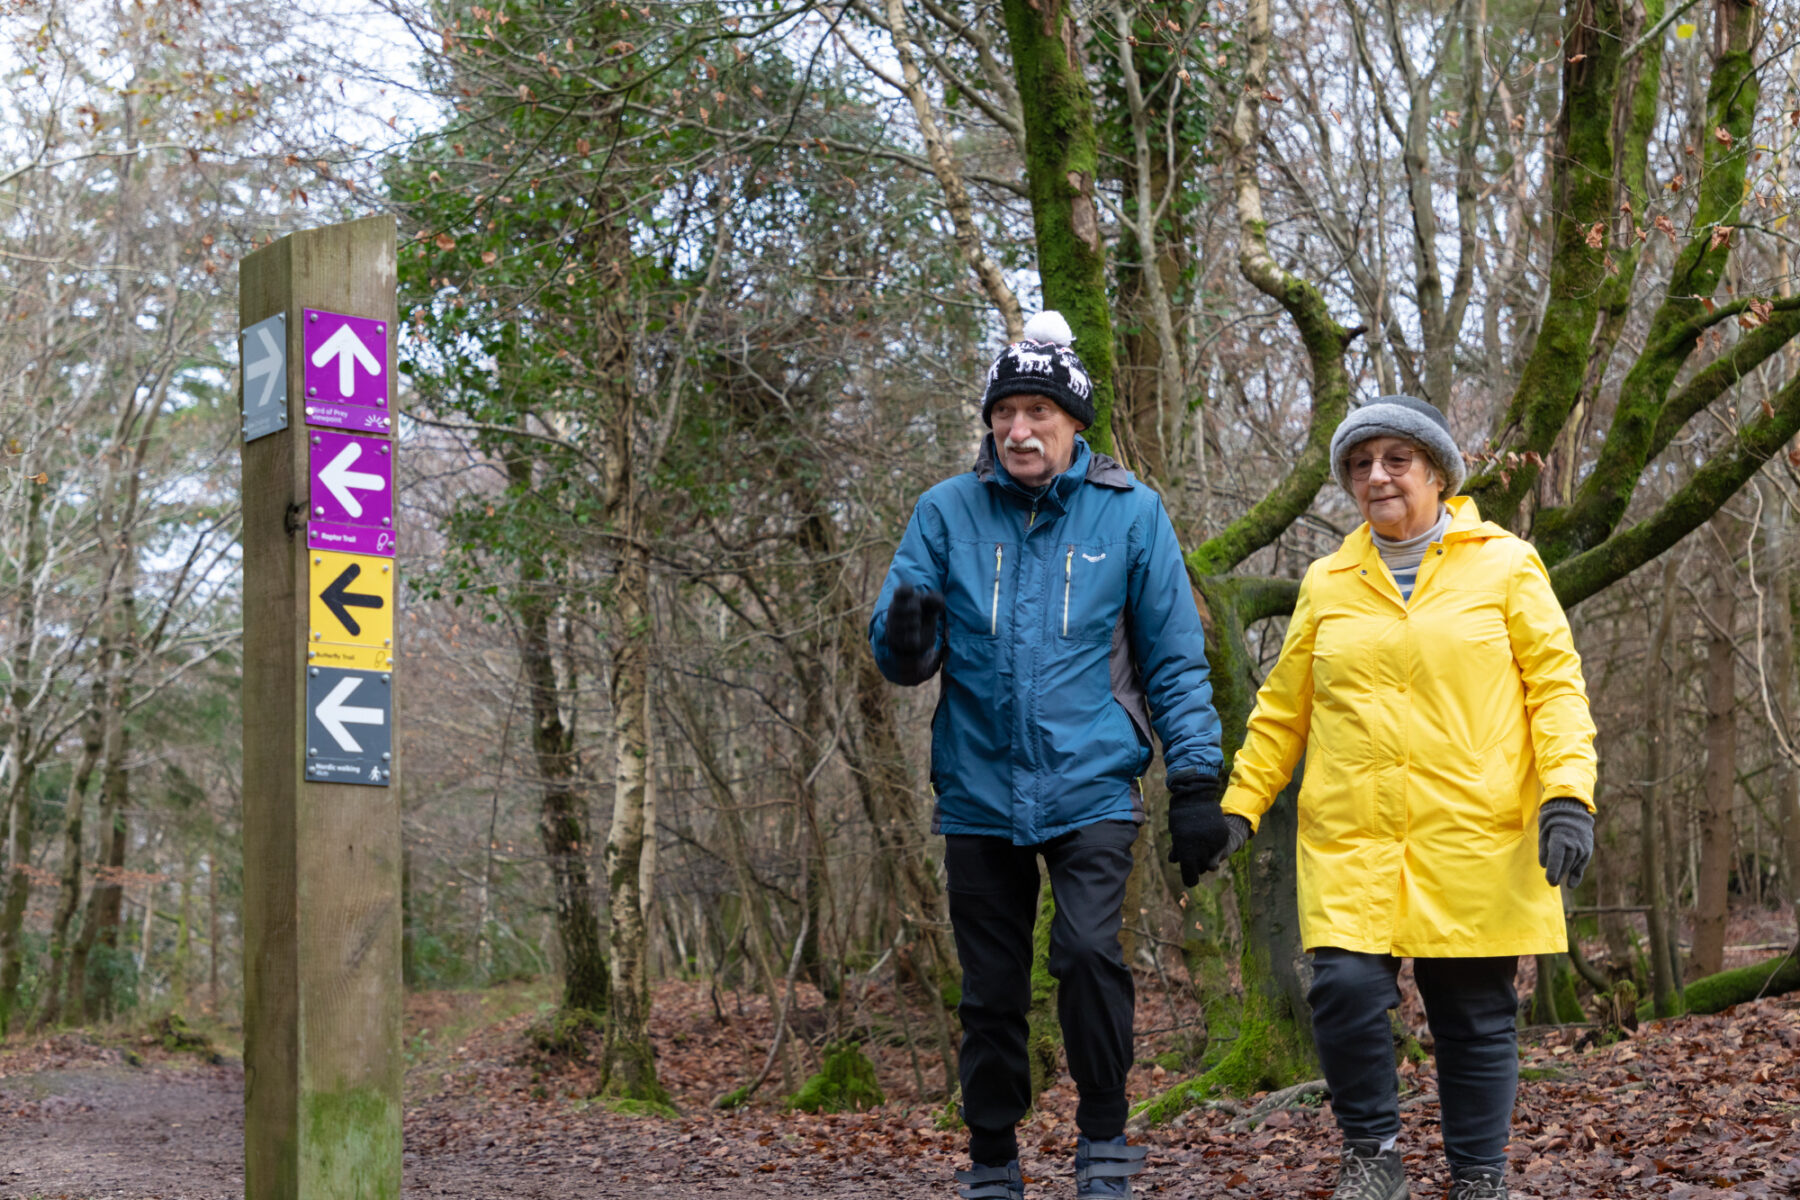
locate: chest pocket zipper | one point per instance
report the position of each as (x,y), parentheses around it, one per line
(994,612)
(1068,579)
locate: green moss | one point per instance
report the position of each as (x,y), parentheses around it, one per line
(562,1034)
(630,1076)
(950,992)
(350,1145)
(1715,993)
(846,1081)
(1062,162)
(1265,1057)
(642,1108)
(1539,1074)
(177,1036)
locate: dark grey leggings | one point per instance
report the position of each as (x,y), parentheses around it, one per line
(1471,1007)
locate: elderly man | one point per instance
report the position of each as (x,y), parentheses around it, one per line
(1047,587)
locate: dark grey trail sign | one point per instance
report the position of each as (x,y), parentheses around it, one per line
(322,993)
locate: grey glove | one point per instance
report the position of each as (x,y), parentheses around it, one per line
(1565,840)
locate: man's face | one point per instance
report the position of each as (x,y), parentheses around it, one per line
(1035,437)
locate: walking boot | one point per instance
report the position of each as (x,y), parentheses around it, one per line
(1104,1168)
(1367,1172)
(1479,1183)
(991,1183)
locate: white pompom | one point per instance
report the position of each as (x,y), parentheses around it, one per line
(1049,326)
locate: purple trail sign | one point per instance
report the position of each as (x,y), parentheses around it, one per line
(352,483)
(347,379)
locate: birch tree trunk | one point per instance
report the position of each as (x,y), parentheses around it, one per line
(630,1071)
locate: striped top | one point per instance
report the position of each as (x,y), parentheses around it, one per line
(1402,559)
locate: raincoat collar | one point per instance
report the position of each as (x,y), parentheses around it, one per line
(1465,525)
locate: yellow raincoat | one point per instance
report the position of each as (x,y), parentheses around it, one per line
(1436,730)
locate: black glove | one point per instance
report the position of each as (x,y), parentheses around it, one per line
(1565,840)
(1200,836)
(912,619)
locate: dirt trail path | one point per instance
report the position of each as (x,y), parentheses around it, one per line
(1696,1107)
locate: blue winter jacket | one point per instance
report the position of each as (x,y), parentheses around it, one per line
(1069,630)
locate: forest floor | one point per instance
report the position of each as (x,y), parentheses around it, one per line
(1697,1106)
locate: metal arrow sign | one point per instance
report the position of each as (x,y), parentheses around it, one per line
(340,599)
(350,353)
(346,367)
(336,714)
(262,355)
(343,481)
(351,611)
(349,726)
(352,480)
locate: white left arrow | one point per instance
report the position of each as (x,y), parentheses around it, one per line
(343,483)
(334,714)
(268,367)
(349,350)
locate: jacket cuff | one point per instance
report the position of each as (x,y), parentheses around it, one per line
(1239,803)
(1567,807)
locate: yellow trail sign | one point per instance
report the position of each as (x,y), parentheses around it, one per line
(351,610)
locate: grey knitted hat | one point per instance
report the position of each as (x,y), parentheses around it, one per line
(1401,417)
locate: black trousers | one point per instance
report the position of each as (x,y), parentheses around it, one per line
(993,907)
(1471,1007)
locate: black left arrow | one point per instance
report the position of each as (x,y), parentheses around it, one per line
(340,599)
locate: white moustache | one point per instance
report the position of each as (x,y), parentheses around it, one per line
(1030,443)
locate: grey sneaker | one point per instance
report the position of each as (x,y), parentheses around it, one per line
(1104,1168)
(1367,1172)
(1482,1183)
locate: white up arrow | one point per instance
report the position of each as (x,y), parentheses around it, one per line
(334,714)
(266,368)
(340,480)
(348,349)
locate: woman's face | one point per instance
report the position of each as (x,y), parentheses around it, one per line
(1399,499)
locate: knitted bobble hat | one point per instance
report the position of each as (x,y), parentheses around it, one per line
(1041,363)
(1401,417)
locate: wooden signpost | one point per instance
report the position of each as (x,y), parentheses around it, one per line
(322,1007)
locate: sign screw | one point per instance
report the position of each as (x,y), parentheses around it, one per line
(380,328)
(312,749)
(387,520)
(316,559)
(385,756)
(312,316)
(316,636)
(384,448)
(312,391)
(318,510)
(312,670)
(387,641)
(316,438)
(386,678)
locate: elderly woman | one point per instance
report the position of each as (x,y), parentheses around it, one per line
(1448,793)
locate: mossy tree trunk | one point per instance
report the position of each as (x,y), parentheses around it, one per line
(1062,158)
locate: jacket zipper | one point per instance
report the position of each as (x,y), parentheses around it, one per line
(994,613)
(1068,578)
(1031,516)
